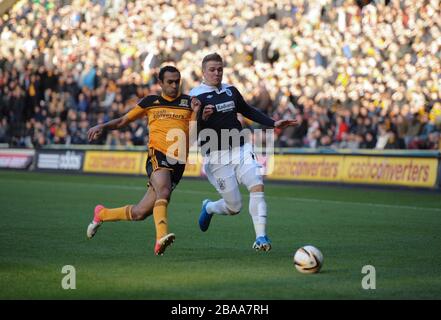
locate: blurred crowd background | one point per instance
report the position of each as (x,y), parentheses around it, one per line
(356,74)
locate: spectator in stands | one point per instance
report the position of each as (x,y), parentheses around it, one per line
(4,130)
(369,141)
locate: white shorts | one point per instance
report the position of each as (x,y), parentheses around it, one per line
(227,169)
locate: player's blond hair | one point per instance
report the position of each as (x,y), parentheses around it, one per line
(211,57)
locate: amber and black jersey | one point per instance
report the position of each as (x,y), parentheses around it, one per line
(166,114)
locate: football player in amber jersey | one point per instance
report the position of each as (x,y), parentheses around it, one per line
(165,165)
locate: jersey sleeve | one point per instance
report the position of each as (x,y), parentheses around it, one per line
(250,112)
(141,108)
(136,113)
(147,101)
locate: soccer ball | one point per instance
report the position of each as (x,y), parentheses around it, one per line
(308,259)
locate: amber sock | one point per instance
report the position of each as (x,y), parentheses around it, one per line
(160,217)
(116,214)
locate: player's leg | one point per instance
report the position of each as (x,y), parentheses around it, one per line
(102,214)
(137,212)
(144,208)
(258,212)
(223,178)
(160,180)
(129,212)
(250,175)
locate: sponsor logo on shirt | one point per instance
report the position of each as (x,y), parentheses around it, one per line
(225,107)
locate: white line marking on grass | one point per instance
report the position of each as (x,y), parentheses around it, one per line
(355,203)
(329,201)
(310,200)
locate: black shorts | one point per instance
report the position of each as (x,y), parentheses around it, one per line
(157,159)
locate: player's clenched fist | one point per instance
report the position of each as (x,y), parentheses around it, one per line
(195,104)
(207,112)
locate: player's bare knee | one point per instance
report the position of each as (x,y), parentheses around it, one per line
(137,217)
(139,213)
(163,192)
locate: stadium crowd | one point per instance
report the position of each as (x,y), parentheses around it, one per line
(355,75)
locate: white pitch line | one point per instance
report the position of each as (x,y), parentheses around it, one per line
(310,200)
(329,201)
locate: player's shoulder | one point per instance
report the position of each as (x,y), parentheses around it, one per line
(231,88)
(149,101)
(185,96)
(204,89)
(226,86)
(199,90)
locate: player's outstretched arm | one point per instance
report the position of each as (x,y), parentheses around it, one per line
(281,124)
(97,131)
(135,113)
(259,117)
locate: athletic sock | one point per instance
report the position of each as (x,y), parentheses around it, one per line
(116,214)
(217,207)
(160,217)
(258,213)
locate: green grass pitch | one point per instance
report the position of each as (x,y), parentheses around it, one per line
(44,219)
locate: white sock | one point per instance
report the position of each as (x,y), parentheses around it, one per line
(258,213)
(217,207)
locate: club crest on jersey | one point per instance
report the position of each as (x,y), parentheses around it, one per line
(183,103)
(209,96)
(228,92)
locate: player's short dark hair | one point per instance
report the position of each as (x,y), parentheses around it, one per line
(211,57)
(167,69)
